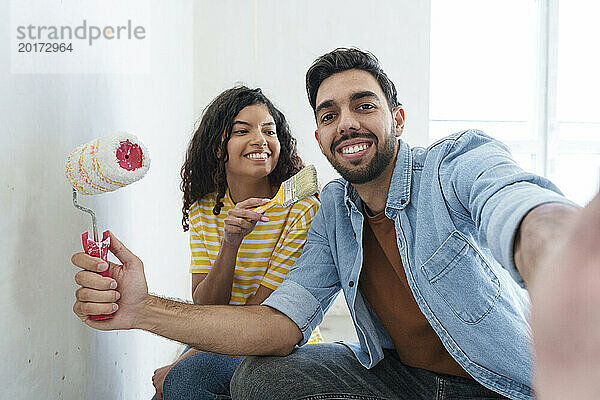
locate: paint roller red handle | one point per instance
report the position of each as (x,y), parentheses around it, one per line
(100,250)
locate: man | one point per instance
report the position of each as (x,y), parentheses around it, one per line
(432,248)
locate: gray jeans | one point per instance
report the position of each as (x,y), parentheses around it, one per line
(330,371)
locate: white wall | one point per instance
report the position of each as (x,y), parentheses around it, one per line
(271,43)
(47,352)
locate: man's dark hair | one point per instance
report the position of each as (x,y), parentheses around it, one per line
(343,59)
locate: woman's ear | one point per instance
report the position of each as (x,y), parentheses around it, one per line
(220,150)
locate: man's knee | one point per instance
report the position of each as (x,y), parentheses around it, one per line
(250,377)
(275,377)
(266,378)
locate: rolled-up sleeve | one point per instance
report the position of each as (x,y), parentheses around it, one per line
(494,191)
(312,284)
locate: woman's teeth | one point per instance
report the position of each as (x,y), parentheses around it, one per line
(354,149)
(257,156)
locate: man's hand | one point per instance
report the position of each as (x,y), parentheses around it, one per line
(565,296)
(97,296)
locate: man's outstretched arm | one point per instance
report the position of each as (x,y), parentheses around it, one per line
(252,330)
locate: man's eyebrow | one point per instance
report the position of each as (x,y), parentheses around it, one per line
(325,104)
(363,94)
(353,97)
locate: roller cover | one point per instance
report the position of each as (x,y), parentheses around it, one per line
(107,163)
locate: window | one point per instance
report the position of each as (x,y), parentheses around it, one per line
(525,72)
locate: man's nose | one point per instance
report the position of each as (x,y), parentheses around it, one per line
(347,123)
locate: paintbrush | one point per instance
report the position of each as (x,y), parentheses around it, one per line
(298,187)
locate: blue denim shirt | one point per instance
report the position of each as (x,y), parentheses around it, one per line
(456,206)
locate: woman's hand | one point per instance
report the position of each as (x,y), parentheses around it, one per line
(241,220)
(158,379)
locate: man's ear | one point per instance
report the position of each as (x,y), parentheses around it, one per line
(318,141)
(398,114)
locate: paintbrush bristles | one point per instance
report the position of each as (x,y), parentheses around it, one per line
(301,185)
(298,187)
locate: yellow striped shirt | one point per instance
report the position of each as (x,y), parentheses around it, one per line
(266,254)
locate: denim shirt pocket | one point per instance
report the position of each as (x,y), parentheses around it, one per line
(462,278)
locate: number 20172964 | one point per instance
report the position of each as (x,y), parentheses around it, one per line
(41,47)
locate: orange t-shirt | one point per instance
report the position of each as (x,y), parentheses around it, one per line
(384,286)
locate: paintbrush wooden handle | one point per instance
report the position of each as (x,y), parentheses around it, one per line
(278,199)
(265,207)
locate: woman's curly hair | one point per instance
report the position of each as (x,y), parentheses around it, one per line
(203,170)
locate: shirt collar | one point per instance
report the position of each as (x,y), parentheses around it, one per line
(399,193)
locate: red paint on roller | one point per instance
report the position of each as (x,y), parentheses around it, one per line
(129,156)
(100,250)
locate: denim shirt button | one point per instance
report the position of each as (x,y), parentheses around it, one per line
(351,283)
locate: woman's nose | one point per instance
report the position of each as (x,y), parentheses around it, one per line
(258,138)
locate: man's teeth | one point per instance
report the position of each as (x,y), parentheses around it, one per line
(257,156)
(354,149)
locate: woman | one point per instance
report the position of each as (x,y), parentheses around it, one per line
(238,157)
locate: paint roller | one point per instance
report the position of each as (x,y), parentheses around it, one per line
(104,165)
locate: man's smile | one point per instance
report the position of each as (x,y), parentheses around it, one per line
(353,148)
(355,151)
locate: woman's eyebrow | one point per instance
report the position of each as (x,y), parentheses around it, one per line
(248,124)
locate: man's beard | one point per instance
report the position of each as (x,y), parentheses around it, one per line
(382,158)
